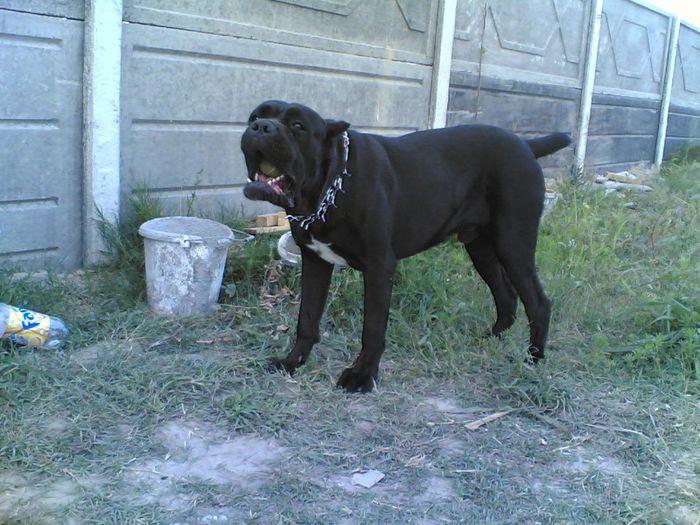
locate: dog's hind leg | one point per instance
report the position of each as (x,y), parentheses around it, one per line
(483,255)
(516,252)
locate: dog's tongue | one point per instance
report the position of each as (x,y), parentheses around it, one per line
(260,190)
(264,178)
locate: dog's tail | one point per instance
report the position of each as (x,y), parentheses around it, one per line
(549,144)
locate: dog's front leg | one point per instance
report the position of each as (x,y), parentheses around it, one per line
(315,281)
(360,377)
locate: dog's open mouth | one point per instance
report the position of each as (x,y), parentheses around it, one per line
(272,176)
(269,183)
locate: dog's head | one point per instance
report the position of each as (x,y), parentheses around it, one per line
(288,150)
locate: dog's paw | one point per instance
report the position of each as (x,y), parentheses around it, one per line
(280,365)
(353,380)
(534,356)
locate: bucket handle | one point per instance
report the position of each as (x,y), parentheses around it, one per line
(186,242)
(244,238)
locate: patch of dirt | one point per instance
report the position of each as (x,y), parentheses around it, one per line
(574,464)
(90,355)
(686,471)
(452,447)
(438,489)
(684,515)
(30,497)
(54,425)
(581,460)
(200,452)
(684,474)
(204,356)
(446,410)
(442,404)
(345,483)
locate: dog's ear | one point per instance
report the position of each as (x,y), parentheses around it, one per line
(335,127)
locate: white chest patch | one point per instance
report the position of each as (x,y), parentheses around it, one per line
(324,252)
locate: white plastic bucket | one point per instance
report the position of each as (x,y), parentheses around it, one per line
(288,250)
(185,260)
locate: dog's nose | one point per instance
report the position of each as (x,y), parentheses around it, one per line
(263,126)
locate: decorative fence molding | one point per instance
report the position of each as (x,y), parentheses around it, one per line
(624,76)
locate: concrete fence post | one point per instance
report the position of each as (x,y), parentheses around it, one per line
(442,63)
(101,108)
(669,71)
(588,83)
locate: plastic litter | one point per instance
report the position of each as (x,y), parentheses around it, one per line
(367,479)
(32,329)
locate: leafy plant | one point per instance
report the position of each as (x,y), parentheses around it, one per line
(125,245)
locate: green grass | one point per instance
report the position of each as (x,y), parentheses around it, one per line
(606,430)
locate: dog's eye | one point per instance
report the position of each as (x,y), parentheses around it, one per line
(252,118)
(298,125)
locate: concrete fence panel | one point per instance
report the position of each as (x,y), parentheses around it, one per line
(684,115)
(519,68)
(40,138)
(628,85)
(192,71)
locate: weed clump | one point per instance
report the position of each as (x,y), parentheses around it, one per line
(622,275)
(125,246)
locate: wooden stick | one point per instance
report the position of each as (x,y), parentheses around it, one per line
(485,420)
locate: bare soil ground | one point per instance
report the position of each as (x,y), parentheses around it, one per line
(246,447)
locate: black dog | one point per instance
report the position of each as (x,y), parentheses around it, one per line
(368,201)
